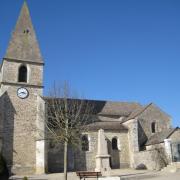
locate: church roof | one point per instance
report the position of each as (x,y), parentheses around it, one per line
(23,44)
(136,112)
(106,126)
(109,108)
(160,136)
(117,108)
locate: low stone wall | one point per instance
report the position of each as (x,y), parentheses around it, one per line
(152,159)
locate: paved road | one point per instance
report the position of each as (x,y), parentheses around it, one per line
(166,176)
(124,175)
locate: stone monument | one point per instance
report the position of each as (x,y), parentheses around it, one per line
(102,157)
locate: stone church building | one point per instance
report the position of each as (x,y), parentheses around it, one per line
(126,135)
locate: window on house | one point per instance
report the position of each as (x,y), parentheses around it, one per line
(114,143)
(179,148)
(153,127)
(85,143)
(22,76)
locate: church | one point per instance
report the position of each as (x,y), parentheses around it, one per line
(126,135)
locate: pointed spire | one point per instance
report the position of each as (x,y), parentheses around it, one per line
(23,44)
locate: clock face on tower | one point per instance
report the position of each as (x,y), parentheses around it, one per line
(22,93)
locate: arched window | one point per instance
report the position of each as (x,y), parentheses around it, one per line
(85,143)
(114,143)
(153,127)
(22,76)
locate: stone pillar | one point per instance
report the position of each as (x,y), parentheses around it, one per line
(132,126)
(40,137)
(167,146)
(102,157)
(40,157)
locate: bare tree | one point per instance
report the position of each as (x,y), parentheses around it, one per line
(67,117)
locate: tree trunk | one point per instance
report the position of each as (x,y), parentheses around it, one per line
(65,160)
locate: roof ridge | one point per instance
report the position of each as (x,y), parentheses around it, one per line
(95,100)
(173,130)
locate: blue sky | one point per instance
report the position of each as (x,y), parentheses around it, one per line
(120,50)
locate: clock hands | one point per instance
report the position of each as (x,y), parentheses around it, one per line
(22,93)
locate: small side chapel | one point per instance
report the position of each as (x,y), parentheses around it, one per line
(126,135)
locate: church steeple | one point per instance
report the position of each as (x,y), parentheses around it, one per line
(23,44)
(21,83)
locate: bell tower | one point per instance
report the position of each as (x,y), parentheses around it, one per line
(21,86)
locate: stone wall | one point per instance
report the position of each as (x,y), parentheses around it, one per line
(153,114)
(2,96)
(55,157)
(119,157)
(77,160)
(10,72)
(151,147)
(19,130)
(85,160)
(132,139)
(151,159)
(175,137)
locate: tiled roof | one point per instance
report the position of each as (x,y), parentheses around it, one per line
(106,126)
(160,136)
(109,107)
(118,108)
(136,113)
